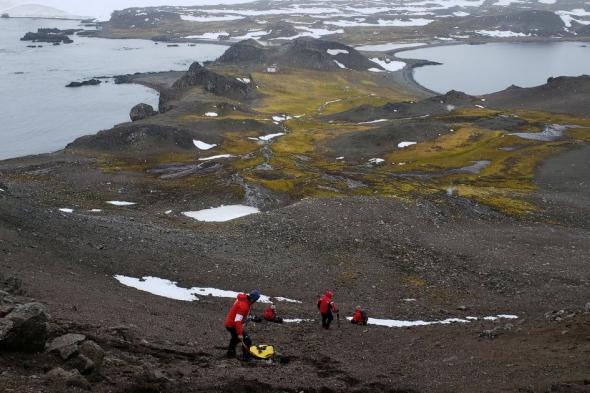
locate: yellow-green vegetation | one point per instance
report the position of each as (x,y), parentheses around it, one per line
(300,163)
(299,92)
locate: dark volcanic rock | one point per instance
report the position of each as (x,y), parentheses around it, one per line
(312,53)
(142,111)
(247,51)
(198,75)
(61,377)
(25,328)
(431,106)
(90,82)
(141,18)
(305,52)
(67,345)
(536,22)
(54,36)
(281,29)
(561,95)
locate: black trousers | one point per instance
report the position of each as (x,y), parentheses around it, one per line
(327,318)
(234,341)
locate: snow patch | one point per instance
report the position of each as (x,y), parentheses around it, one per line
(500,33)
(402,323)
(170,289)
(216,157)
(222,213)
(66,210)
(191,18)
(296,320)
(211,114)
(335,52)
(280,118)
(374,121)
(376,161)
(208,36)
(269,137)
(339,64)
(402,145)
(202,145)
(389,65)
(121,203)
(382,22)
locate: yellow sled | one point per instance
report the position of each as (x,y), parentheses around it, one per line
(262,351)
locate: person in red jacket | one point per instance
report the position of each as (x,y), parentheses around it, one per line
(327,307)
(270,314)
(359,317)
(235,320)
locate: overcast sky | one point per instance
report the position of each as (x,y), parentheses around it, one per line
(103,8)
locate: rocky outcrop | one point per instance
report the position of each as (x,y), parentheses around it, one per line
(248,51)
(563,94)
(90,82)
(281,29)
(437,105)
(24,329)
(304,52)
(534,22)
(212,82)
(54,36)
(141,18)
(142,111)
(317,54)
(65,379)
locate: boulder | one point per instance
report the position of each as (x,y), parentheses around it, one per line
(94,352)
(26,329)
(5,328)
(141,111)
(59,376)
(82,364)
(67,345)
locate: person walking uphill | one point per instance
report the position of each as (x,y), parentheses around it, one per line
(235,321)
(327,307)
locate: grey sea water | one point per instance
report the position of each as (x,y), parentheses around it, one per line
(38,114)
(482,69)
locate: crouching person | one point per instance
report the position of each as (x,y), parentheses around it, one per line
(360,316)
(236,319)
(270,314)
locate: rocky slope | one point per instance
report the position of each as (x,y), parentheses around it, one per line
(561,95)
(305,52)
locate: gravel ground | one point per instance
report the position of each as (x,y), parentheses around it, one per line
(456,259)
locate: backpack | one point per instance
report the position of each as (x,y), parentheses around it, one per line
(262,351)
(364,317)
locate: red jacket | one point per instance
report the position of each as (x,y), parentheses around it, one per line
(358,316)
(269,314)
(325,304)
(238,314)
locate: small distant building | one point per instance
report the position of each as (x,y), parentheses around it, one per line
(272,69)
(5,16)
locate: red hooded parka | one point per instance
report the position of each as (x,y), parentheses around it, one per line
(238,314)
(326,304)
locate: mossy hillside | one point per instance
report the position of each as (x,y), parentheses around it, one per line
(297,92)
(300,160)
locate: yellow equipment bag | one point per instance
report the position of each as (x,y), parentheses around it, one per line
(262,351)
